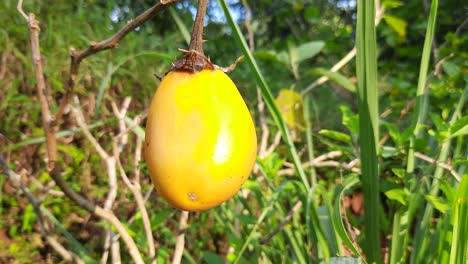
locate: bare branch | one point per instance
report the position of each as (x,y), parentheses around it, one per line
(136,190)
(438,164)
(20,9)
(47,120)
(273,145)
(110,43)
(324,161)
(180,242)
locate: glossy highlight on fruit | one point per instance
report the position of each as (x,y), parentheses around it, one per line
(200,144)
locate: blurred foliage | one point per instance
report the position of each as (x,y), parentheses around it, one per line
(295,43)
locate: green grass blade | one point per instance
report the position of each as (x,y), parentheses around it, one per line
(459,249)
(266,93)
(400,224)
(366,64)
(421,95)
(310,142)
(264,213)
(314,228)
(60,134)
(180,24)
(75,244)
(421,238)
(295,246)
(337,220)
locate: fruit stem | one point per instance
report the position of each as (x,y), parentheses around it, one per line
(196,42)
(194,59)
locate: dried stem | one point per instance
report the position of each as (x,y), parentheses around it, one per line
(180,242)
(135,188)
(47,120)
(110,43)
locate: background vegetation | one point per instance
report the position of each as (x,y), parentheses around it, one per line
(415,206)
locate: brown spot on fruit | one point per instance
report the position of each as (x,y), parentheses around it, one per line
(192,197)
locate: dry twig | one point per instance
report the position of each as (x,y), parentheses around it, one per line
(180,242)
(78,56)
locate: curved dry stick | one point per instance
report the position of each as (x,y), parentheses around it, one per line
(110,43)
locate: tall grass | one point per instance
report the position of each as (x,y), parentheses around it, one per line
(366,67)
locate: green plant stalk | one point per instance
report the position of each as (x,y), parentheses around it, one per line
(401,219)
(310,142)
(295,247)
(445,237)
(180,24)
(421,94)
(421,240)
(366,64)
(264,213)
(314,228)
(75,244)
(266,93)
(459,249)
(400,222)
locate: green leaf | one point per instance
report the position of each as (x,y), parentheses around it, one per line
(337,220)
(393,131)
(439,204)
(350,120)
(397,24)
(399,194)
(211,258)
(345,260)
(366,72)
(336,135)
(291,107)
(460,127)
(337,77)
(281,57)
(459,249)
(389,152)
(451,69)
(389,4)
(399,172)
(29,217)
(308,50)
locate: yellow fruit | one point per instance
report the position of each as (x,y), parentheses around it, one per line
(200,144)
